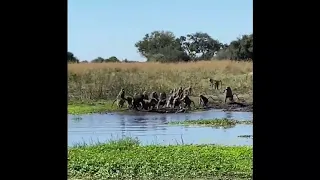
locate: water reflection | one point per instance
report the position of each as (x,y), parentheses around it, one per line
(154,128)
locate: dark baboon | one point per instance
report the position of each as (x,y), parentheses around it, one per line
(154,95)
(188,91)
(180,92)
(162,100)
(129,100)
(138,101)
(145,96)
(150,104)
(228,95)
(187,101)
(215,83)
(163,95)
(176,102)
(203,101)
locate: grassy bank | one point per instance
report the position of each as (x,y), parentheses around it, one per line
(102,81)
(126,159)
(91,107)
(212,122)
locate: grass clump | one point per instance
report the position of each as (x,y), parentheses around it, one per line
(97,81)
(212,122)
(127,159)
(91,107)
(246,136)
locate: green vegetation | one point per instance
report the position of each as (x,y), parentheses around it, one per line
(126,159)
(246,136)
(91,107)
(212,122)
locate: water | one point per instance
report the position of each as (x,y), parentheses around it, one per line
(152,128)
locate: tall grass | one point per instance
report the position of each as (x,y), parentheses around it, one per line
(96,81)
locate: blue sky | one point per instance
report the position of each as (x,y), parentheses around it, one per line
(111,27)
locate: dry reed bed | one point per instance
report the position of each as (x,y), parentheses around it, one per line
(95,81)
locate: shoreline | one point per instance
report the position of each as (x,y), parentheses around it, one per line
(82,108)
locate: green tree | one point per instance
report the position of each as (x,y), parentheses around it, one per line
(161,46)
(200,46)
(240,49)
(98,60)
(112,59)
(71,58)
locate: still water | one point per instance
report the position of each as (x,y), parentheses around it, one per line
(152,128)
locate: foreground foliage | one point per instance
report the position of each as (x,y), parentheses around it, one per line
(126,159)
(212,122)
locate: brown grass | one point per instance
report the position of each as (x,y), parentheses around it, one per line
(95,81)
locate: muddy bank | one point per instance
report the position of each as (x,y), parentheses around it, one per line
(234,106)
(242,107)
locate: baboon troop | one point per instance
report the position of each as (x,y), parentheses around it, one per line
(176,98)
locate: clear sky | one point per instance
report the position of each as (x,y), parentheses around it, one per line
(105,28)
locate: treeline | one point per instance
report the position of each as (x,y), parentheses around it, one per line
(164,46)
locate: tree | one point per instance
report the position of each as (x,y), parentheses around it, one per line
(200,45)
(98,60)
(161,46)
(240,49)
(71,58)
(112,59)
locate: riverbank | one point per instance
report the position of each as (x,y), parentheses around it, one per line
(127,159)
(105,107)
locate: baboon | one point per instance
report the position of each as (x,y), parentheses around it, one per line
(204,100)
(162,100)
(150,104)
(176,102)
(163,95)
(154,95)
(215,83)
(145,96)
(129,102)
(229,95)
(171,99)
(174,94)
(120,103)
(180,92)
(187,90)
(137,101)
(187,101)
(121,94)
